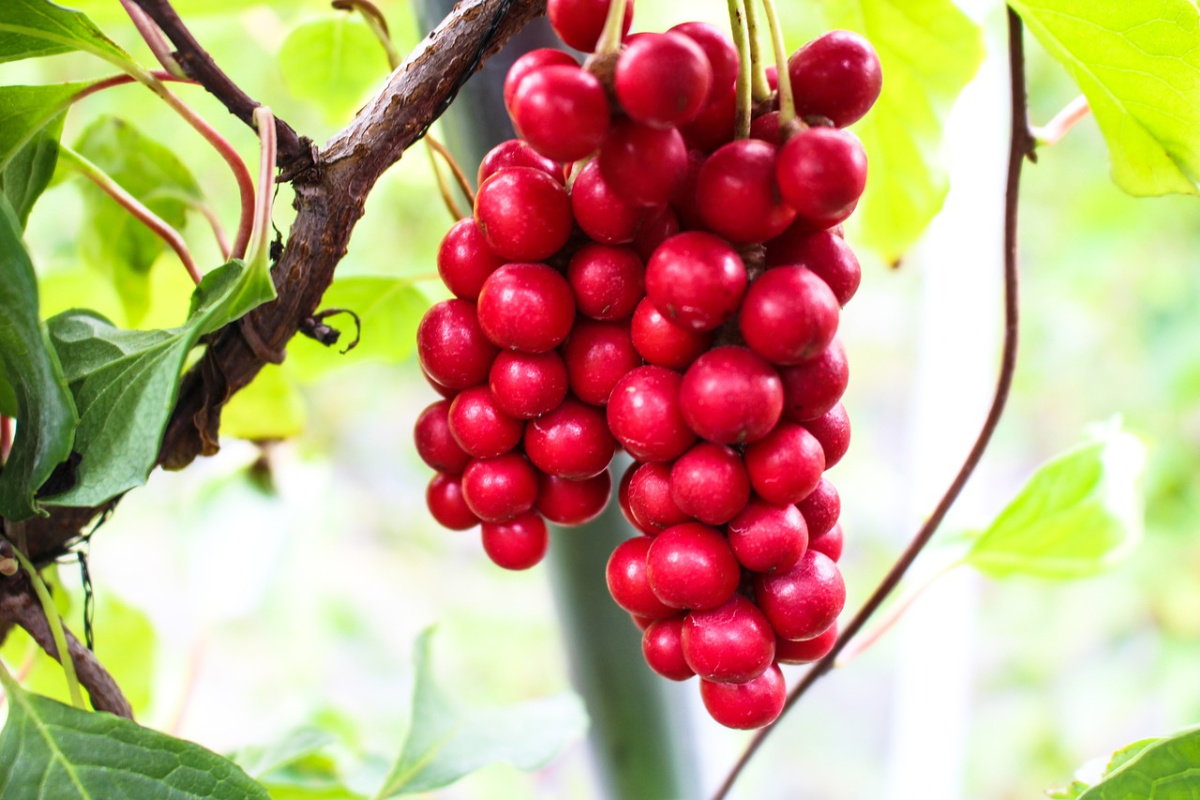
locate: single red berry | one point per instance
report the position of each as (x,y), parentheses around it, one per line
(656,228)
(644,414)
(453,349)
(444,391)
(627,582)
(571,441)
(789,315)
(821,509)
(579,23)
(837,76)
(691,566)
(571,503)
(496,489)
(804,601)
(664,343)
(745,706)
(527,63)
(601,211)
(715,125)
(766,127)
(527,307)
(786,465)
(684,200)
(830,543)
(821,173)
(641,622)
(732,643)
(444,498)
(768,538)
(435,443)
(480,427)
(806,651)
(832,430)
(663,79)
(513,153)
(519,543)
(662,648)
(731,396)
(737,194)
(524,214)
(527,385)
(562,111)
(696,280)
(709,482)
(825,253)
(623,498)
(464,260)
(643,164)
(813,387)
(718,49)
(607,281)
(650,502)
(598,354)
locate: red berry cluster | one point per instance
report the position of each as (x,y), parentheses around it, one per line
(635,277)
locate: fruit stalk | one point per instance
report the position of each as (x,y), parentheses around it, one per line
(745,89)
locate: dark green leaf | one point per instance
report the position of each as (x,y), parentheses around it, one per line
(32,28)
(33,377)
(1077,515)
(125,381)
(49,750)
(1138,64)
(333,62)
(31,119)
(113,240)
(447,742)
(1155,769)
(929,51)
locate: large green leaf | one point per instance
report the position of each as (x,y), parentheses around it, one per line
(333,62)
(1138,64)
(49,750)
(388,308)
(1078,514)
(34,379)
(929,50)
(297,768)
(32,28)
(113,240)
(447,741)
(31,119)
(1150,769)
(125,381)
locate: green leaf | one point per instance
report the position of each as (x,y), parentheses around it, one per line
(295,768)
(1155,769)
(49,750)
(1138,64)
(1078,514)
(929,50)
(33,28)
(333,62)
(125,381)
(34,379)
(447,742)
(269,408)
(113,240)
(389,309)
(31,120)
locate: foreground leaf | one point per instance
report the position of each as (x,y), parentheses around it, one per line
(49,750)
(125,381)
(929,50)
(1138,64)
(1077,515)
(333,62)
(447,742)
(33,28)
(296,768)
(31,119)
(1150,769)
(33,380)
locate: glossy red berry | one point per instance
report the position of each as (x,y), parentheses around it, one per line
(607,281)
(662,647)
(579,23)
(643,164)
(745,706)
(571,503)
(527,63)
(663,79)
(524,214)
(732,643)
(731,396)
(718,49)
(444,498)
(435,443)
(562,111)
(516,153)
(496,489)
(627,581)
(601,212)
(709,482)
(623,498)
(518,543)
(650,501)
(464,260)
(789,315)
(821,509)
(821,173)
(598,354)
(832,430)
(835,76)
(480,427)
(813,387)
(645,416)
(825,253)
(830,543)
(786,465)
(657,226)
(766,127)
(806,651)
(571,441)
(804,601)
(691,566)
(453,349)
(527,307)
(527,385)
(715,125)
(664,343)
(768,538)
(696,280)
(737,195)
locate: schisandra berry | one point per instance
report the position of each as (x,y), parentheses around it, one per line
(718,49)
(480,427)
(643,164)
(663,79)
(662,647)
(496,489)
(464,260)
(527,307)
(579,23)
(598,354)
(753,704)
(628,584)
(821,508)
(737,195)
(444,497)
(830,543)
(832,430)
(806,651)
(732,643)
(786,465)
(435,443)
(709,482)
(696,280)
(518,543)
(836,76)
(804,601)
(527,385)
(767,538)
(644,414)
(821,173)
(731,396)
(608,282)
(691,566)
(530,62)
(453,349)
(813,387)
(513,153)
(662,342)
(651,503)
(601,212)
(823,252)
(524,214)
(789,315)
(562,111)
(571,441)
(570,503)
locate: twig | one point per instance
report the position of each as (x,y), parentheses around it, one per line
(214,222)
(1063,122)
(121,80)
(455,169)
(153,38)
(1021,147)
(376,22)
(443,185)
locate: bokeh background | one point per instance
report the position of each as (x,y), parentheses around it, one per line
(280,586)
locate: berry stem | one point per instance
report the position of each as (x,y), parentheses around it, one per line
(455,169)
(131,204)
(761,89)
(1063,122)
(614,24)
(375,21)
(1022,145)
(6,438)
(443,185)
(260,238)
(154,39)
(214,222)
(56,629)
(787,105)
(745,93)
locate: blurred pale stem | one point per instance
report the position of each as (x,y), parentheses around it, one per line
(614,26)
(745,94)
(1063,122)
(56,629)
(376,22)
(760,87)
(443,185)
(154,39)
(260,239)
(787,106)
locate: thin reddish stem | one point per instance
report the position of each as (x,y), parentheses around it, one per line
(121,80)
(443,185)
(459,177)
(261,238)
(218,230)
(1021,147)
(1063,122)
(154,39)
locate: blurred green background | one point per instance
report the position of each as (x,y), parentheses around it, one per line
(297,604)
